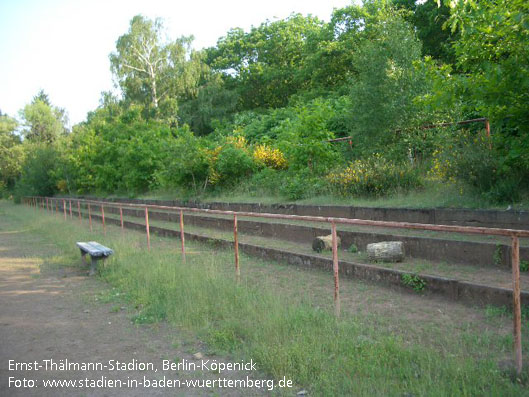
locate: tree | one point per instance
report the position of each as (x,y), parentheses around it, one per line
(42,121)
(429,19)
(382,93)
(42,96)
(11,152)
(264,65)
(152,72)
(329,52)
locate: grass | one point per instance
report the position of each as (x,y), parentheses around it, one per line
(433,195)
(282,318)
(480,274)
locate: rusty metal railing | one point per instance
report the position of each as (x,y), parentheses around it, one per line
(46,203)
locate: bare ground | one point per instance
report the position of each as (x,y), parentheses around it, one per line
(52,312)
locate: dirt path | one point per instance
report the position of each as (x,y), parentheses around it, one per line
(50,312)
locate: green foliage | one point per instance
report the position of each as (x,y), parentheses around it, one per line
(292,85)
(429,17)
(152,72)
(352,249)
(43,122)
(524,266)
(188,164)
(213,104)
(11,154)
(493,51)
(414,281)
(302,184)
(375,176)
(233,163)
(497,256)
(476,162)
(303,139)
(382,93)
(37,171)
(262,65)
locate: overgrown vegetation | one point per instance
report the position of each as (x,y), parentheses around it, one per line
(287,329)
(255,113)
(414,281)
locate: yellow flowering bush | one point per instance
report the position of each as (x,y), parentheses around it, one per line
(266,156)
(375,176)
(441,168)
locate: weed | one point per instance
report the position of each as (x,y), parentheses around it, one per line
(497,257)
(524,266)
(353,249)
(414,281)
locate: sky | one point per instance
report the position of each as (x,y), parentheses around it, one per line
(62,46)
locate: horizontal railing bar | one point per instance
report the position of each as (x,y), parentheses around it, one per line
(321,219)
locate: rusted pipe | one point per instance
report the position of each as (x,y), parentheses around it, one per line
(517,311)
(335,270)
(182,236)
(147,228)
(236,246)
(103,219)
(89,217)
(345,221)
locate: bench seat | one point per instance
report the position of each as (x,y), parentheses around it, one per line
(96,252)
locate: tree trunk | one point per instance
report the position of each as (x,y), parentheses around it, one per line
(321,243)
(386,251)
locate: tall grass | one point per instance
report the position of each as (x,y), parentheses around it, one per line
(293,339)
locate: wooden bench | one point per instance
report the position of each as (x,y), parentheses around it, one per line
(96,252)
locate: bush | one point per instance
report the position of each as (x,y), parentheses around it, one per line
(265,156)
(302,184)
(232,164)
(375,176)
(37,177)
(477,164)
(189,164)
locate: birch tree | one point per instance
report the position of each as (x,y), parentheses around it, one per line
(149,69)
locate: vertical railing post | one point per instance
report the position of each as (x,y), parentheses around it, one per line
(121,217)
(236,246)
(182,236)
(64,208)
(71,216)
(57,207)
(147,228)
(89,217)
(517,311)
(335,270)
(47,205)
(103,219)
(79,211)
(487,129)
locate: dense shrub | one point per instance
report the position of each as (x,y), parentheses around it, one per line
(188,164)
(374,176)
(477,164)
